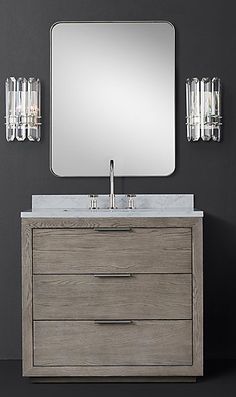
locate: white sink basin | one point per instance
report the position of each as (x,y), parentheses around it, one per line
(146,205)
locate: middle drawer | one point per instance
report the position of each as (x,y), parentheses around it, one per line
(127,296)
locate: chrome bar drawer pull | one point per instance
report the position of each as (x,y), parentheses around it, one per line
(113,322)
(104,275)
(113,229)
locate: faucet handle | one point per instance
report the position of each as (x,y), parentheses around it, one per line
(93,202)
(131,198)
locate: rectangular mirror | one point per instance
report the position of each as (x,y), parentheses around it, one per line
(112,98)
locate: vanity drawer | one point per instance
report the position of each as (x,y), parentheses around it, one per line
(112,250)
(138,296)
(85,343)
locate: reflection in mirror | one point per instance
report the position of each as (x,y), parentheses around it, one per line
(112,97)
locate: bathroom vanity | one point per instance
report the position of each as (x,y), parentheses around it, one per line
(112,285)
(112,295)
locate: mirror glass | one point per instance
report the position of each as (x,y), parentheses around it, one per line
(112,98)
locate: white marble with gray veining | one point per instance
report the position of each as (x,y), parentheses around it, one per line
(142,201)
(146,205)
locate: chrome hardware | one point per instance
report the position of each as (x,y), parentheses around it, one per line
(112,189)
(105,275)
(131,198)
(113,229)
(93,202)
(111,322)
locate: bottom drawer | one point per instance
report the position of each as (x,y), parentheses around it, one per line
(86,343)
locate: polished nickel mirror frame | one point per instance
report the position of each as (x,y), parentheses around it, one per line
(170,116)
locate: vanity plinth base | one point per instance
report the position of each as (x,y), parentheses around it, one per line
(117,379)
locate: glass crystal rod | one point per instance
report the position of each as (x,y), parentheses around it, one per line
(10,88)
(23,109)
(203,109)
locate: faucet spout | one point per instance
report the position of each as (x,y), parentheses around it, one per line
(112,186)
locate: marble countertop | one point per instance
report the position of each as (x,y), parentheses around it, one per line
(83,213)
(77,206)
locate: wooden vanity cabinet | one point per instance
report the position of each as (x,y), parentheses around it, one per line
(112,299)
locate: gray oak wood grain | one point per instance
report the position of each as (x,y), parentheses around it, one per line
(107,371)
(27,303)
(196,369)
(142,296)
(71,223)
(143,250)
(86,343)
(197,252)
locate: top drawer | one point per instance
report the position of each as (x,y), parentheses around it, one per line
(112,250)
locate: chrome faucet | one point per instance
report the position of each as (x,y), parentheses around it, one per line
(112,190)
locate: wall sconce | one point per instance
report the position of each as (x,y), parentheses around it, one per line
(23,112)
(203,109)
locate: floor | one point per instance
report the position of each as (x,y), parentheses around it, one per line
(220,380)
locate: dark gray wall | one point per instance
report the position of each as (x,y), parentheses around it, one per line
(206,45)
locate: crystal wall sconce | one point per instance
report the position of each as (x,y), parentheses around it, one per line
(203,109)
(23,111)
